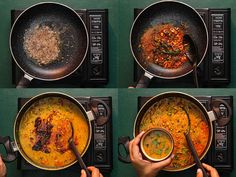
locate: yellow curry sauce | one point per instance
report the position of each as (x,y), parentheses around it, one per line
(168,114)
(45,130)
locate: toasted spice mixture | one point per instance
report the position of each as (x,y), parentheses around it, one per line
(42,44)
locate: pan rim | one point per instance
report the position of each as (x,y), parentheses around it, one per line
(33,75)
(202,107)
(16,131)
(133,53)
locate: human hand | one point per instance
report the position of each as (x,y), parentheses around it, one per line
(212,171)
(3,169)
(143,167)
(95,172)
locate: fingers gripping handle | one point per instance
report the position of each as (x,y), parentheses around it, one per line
(11,154)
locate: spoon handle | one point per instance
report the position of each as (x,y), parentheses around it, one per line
(194,153)
(80,160)
(195,77)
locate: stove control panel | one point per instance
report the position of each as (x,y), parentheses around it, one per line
(100,143)
(98,66)
(220,154)
(100,150)
(222,157)
(219,44)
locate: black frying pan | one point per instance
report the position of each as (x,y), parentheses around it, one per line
(176,13)
(73,41)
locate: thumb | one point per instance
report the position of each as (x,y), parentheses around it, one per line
(1,158)
(164,163)
(83,174)
(199,173)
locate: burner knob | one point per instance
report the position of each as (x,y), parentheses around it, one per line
(220,156)
(99,157)
(96,70)
(217,71)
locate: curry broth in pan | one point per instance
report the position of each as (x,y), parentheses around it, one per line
(168,113)
(45,130)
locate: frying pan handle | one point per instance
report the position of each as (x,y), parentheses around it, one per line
(211,115)
(124,142)
(144,80)
(221,119)
(24,81)
(100,110)
(11,154)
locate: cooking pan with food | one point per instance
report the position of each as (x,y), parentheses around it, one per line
(44,127)
(168,111)
(157,44)
(48,41)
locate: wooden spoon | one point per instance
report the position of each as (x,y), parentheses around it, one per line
(191,146)
(76,152)
(192,55)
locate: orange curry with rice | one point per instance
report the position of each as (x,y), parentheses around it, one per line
(168,114)
(45,130)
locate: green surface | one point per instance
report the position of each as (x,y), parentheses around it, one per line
(128,111)
(120,21)
(8,111)
(5,56)
(120,75)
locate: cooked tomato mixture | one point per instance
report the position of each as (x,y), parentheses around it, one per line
(168,113)
(157,144)
(45,129)
(163,45)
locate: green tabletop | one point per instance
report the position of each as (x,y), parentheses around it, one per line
(120,22)
(124,101)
